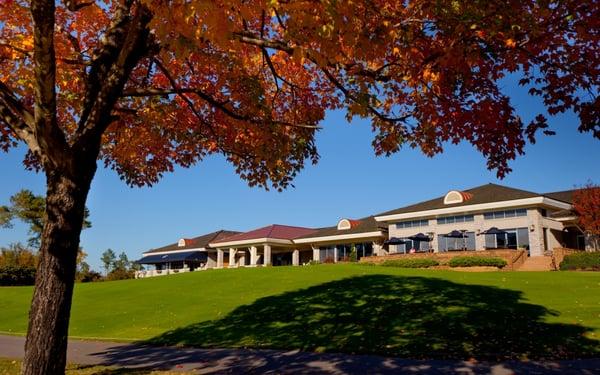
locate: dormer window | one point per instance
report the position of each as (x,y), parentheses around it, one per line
(346,224)
(181,242)
(455,196)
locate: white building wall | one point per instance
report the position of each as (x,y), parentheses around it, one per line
(533,221)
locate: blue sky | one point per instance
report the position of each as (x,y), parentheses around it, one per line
(349,181)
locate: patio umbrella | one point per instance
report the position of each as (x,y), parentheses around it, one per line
(458,234)
(420,237)
(394,241)
(493,230)
(454,234)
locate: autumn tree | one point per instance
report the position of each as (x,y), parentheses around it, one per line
(144,85)
(586,204)
(18,255)
(30,209)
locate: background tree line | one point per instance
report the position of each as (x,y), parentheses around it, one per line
(18,262)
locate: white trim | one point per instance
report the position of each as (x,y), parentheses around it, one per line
(544,201)
(174,251)
(339,237)
(566,218)
(252,241)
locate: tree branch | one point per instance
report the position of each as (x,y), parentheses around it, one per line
(74,6)
(106,93)
(249,38)
(104,57)
(49,136)
(206,97)
(18,118)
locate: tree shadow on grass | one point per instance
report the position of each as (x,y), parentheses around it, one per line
(409,317)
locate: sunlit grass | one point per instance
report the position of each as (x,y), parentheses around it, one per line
(148,308)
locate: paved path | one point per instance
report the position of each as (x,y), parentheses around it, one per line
(243,361)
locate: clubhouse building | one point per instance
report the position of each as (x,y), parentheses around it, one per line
(485,217)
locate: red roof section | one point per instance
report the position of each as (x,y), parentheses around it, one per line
(354,223)
(466,196)
(282,232)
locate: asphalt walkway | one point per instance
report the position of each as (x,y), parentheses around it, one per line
(245,361)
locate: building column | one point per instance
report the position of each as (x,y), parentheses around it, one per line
(378,249)
(267,255)
(220,255)
(253,256)
(296,258)
(316,254)
(232,262)
(335,254)
(242,261)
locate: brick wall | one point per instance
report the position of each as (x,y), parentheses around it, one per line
(513,258)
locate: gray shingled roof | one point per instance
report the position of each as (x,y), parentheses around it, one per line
(365,225)
(480,194)
(196,242)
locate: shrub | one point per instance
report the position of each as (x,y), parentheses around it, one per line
(353,255)
(17,275)
(120,274)
(89,277)
(581,261)
(475,261)
(411,263)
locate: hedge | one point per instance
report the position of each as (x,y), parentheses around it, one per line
(17,275)
(475,261)
(581,261)
(411,263)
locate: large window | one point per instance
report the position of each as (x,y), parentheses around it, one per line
(455,219)
(505,214)
(512,239)
(410,245)
(327,253)
(449,243)
(412,224)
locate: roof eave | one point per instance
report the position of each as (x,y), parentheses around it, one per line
(335,237)
(539,201)
(252,241)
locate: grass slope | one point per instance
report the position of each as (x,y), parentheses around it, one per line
(348,308)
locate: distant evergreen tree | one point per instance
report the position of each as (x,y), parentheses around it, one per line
(108,260)
(29,208)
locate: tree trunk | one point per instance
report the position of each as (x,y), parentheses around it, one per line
(46,344)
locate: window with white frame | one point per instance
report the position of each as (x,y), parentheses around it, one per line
(505,214)
(515,238)
(412,224)
(455,219)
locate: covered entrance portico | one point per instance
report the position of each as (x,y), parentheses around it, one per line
(268,246)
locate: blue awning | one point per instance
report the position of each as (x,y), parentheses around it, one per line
(199,256)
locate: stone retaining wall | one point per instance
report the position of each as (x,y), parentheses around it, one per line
(559,253)
(513,258)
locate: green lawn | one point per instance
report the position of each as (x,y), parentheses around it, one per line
(348,308)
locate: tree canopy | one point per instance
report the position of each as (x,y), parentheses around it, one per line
(586,204)
(253,79)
